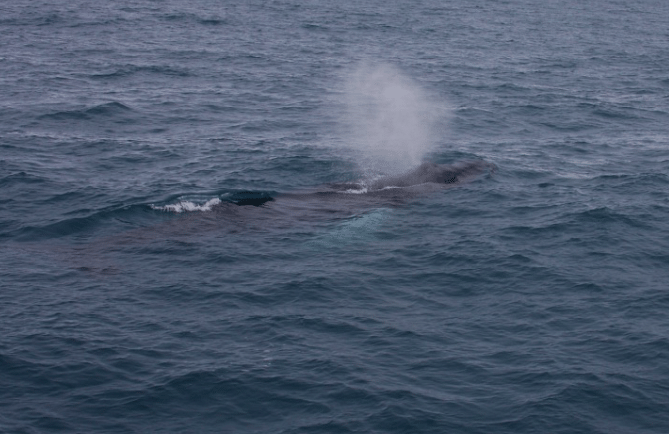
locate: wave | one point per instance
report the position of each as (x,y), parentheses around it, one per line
(129,70)
(106,110)
(210,20)
(20,178)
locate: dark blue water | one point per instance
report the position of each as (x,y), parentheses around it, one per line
(175,258)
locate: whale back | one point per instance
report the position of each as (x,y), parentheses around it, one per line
(433,173)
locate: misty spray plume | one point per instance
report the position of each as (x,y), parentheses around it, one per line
(391,120)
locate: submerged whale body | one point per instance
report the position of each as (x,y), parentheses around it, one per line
(305,211)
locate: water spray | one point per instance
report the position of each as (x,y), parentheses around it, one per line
(390,119)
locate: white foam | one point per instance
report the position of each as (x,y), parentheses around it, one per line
(354,191)
(188,206)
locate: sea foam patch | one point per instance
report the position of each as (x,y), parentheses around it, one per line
(361,190)
(188,206)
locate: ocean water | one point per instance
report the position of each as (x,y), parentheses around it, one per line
(190,241)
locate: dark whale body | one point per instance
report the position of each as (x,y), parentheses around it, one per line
(342,200)
(433,173)
(392,189)
(395,188)
(309,211)
(421,179)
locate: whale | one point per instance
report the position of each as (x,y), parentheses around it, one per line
(433,173)
(423,178)
(393,189)
(335,212)
(341,200)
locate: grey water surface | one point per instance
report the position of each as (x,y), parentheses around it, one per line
(209,221)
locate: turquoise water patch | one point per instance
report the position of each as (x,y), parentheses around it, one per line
(357,229)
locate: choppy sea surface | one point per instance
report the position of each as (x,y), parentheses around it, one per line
(189,243)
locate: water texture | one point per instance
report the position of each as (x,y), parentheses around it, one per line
(191,240)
